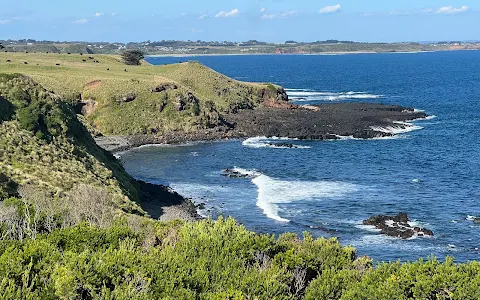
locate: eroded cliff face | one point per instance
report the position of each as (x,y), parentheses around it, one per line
(275,97)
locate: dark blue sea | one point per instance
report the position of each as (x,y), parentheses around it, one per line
(430,171)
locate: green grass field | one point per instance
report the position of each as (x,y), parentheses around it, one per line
(105,79)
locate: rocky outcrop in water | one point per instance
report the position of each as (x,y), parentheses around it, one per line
(282,145)
(396,226)
(232,173)
(328,121)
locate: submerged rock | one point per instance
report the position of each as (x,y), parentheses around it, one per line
(396,226)
(282,145)
(232,173)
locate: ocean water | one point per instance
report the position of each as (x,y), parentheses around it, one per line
(431,171)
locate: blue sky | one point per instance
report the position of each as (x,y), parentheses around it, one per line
(240,20)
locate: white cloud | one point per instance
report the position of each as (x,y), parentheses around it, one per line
(227,14)
(80,21)
(99,14)
(203,16)
(277,16)
(114,14)
(262,10)
(330,9)
(450,10)
(3,22)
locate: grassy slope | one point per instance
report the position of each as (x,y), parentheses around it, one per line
(73,77)
(63,163)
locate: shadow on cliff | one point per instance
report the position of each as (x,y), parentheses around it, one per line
(155,198)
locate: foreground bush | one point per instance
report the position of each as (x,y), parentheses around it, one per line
(145,259)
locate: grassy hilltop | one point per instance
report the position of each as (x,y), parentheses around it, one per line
(119,100)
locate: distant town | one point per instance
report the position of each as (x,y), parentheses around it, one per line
(172,47)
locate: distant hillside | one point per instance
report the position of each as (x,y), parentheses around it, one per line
(248,47)
(124,100)
(49,48)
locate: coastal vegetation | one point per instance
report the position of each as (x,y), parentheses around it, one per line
(72,224)
(132,57)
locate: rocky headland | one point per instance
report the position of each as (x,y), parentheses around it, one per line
(329,121)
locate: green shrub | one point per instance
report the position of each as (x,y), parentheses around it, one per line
(6,110)
(8,188)
(132,57)
(213,260)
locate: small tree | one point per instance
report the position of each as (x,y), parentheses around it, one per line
(132,57)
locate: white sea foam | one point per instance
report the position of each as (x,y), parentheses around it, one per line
(118,155)
(264,142)
(424,119)
(249,173)
(300,95)
(272,192)
(370,228)
(186,144)
(397,128)
(386,242)
(351,138)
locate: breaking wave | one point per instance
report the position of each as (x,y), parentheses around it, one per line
(272,192)
(397,128)
(272,142)
(304,95)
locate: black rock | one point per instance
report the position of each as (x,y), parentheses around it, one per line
(164,87)
(235,174)
(126,98)
(396,226)
(180,103)
(283,145)
(192,98)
